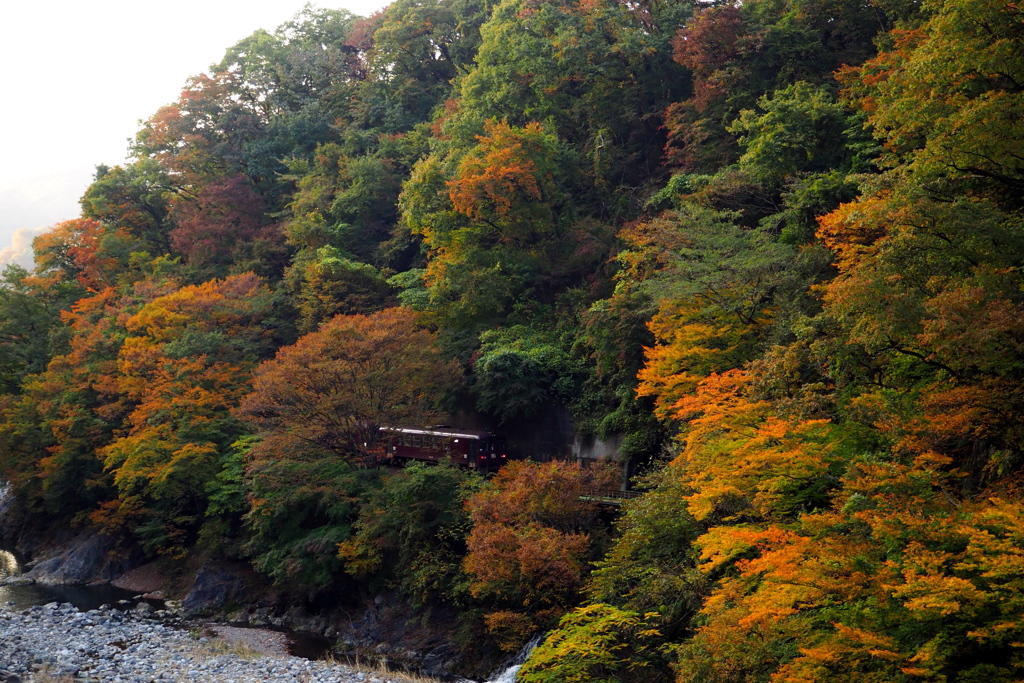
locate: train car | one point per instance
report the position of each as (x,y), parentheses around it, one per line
(482,451)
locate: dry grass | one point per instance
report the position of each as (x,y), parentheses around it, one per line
(382,669)
(44,675)
(218,647)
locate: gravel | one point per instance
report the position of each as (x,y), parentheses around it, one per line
(58,642)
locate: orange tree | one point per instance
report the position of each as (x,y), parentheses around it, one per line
(530,544)
(318,406)
(334,388)
(186,363)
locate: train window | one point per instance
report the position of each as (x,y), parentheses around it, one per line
(417,441)
(474,448)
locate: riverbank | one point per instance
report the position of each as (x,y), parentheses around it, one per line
(239,607)
(60,643)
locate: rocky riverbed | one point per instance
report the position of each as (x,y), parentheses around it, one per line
(57,642)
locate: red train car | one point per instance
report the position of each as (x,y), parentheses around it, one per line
(482,451)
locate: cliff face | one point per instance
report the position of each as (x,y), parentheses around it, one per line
(89,558)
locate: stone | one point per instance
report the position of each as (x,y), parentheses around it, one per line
(212,589)
(87,559)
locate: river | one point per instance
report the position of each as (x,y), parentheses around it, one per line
(18,597)
(84,598)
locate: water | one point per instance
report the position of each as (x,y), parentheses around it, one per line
(300,644)
(312,646)
(84,598)
(516,663)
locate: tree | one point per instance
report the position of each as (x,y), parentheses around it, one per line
(302,502)
(517,373)
(496,236)
(740,52)
(80,255)
(593,72)
(28,325)
(723,293)
(927,291)
(596,643)
(272,98)
(418,50)
(336,387)
(134,199)
(347,202)
(68,412)
(411,533)
(530,542)
(651,567)
(225,229)
(332,285)
(802,129)
(183,368)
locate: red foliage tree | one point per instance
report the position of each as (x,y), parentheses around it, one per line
(335,387)
(531,541)
(226,225)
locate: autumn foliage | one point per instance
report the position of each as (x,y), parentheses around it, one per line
(768,252)
(336,387)
(531,541)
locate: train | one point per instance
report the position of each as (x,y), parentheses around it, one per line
(476,450)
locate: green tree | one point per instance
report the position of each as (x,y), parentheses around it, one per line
(411,533)
(29,333)
(596,643)
(302,502)
(134,198)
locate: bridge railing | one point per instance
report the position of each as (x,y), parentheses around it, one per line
(609,496)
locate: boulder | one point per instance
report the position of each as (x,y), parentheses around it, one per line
(212,589)
(89,558)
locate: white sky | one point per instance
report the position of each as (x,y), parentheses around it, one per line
(80,74)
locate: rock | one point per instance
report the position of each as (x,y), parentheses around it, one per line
(50,644)
(17,581)
(238,617)
(212,589)
(439,661)
(87,559)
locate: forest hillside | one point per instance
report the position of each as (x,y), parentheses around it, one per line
(772,248)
